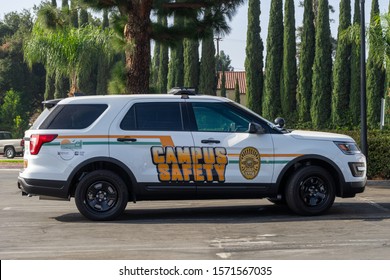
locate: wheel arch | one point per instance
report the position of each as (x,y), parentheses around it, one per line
(306,160)
(102,163)
(8,146)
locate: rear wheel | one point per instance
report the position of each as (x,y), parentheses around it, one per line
(9,152)
(101,195)
(310,191)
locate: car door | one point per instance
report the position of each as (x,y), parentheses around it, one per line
(236,161)
(151,138)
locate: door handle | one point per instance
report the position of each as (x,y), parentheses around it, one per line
(126,139)
(210,141)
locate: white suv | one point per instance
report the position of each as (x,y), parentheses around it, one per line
(108,150)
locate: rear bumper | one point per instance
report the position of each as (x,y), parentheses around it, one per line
(50,188)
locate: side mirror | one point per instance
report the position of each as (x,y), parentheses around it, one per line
(279,122)
(255,128)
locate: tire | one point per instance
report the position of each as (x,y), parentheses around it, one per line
(9,152)
(101,195)
(310,191)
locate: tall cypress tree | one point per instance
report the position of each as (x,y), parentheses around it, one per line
(223,83)
(176,67)
(375,74)
(207,79)
(274,61)
(191,63)
(354,97)
(289,88)
(342,69)
(176,62)
(306,62)
(237,96)
(322,69)
(103,68)
(94,82)
(61,84)
(163,65)
(155,66)
(50,78)
(254,58)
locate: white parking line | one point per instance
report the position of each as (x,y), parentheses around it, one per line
(376,205)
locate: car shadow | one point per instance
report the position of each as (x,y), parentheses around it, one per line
(241,214)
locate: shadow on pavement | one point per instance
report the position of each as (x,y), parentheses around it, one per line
(238,214)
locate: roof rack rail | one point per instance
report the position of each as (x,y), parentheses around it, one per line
(182,90)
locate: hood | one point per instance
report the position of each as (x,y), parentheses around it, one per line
(315,135)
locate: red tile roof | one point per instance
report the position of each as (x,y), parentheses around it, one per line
(231,77)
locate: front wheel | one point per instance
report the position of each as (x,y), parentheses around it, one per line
(310,191)
(101,195)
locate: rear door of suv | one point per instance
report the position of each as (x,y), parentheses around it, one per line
(152,138)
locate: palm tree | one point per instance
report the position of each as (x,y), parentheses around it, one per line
(66,50)
(380,37)
(138,29)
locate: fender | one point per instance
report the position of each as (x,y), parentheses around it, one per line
(116,162)
(311,157)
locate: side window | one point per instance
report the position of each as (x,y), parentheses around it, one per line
(162,116)
(5,135)
(219,117)
(73,116)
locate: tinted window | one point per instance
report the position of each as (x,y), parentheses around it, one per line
(153,116)
(73,116)
(5,135)
(219,117)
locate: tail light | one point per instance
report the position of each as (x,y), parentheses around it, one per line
(37,140)
(22,143)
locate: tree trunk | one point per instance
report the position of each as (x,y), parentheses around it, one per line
(137,35)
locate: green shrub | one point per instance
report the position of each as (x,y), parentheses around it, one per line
(378,152)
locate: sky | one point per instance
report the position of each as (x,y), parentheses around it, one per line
(234,43)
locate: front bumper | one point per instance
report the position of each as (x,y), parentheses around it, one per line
(350,189)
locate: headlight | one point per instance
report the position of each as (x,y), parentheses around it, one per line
(348,148)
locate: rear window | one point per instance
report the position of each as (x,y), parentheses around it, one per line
(5,135)
(73,116)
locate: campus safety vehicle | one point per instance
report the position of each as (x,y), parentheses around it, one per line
(10,147)
(108,150)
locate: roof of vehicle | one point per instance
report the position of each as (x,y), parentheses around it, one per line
(125,98)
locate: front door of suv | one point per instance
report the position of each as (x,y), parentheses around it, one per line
(153,140)
(235,162)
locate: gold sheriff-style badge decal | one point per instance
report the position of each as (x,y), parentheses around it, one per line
(250,163)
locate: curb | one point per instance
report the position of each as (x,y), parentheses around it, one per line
(380,183)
